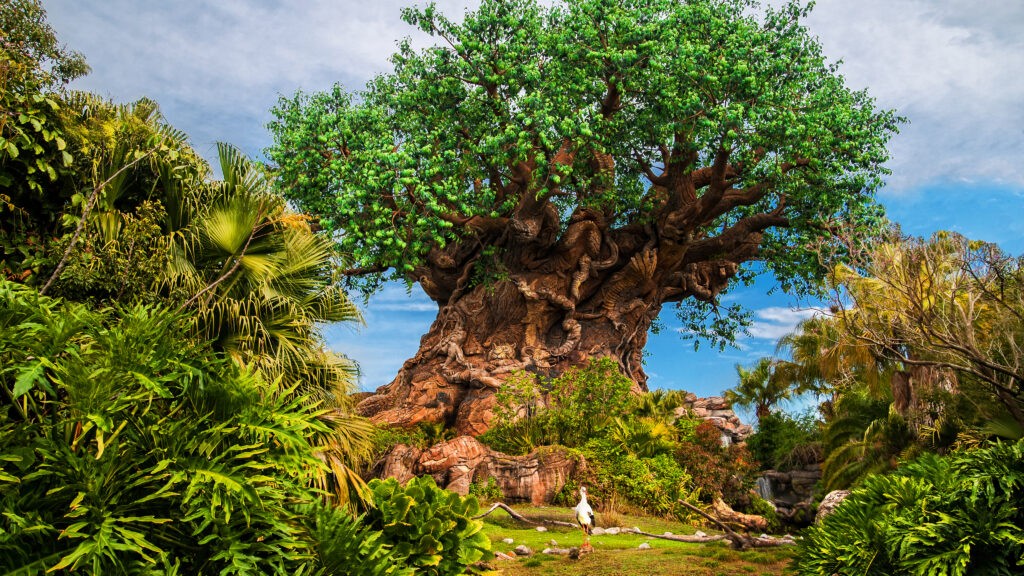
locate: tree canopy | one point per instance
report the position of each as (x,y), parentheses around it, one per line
(705,123)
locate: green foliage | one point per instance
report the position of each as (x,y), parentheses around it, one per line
(123,268)
(936,516)
(509,86)
(714,469)
(569,410)
(345,545)
(29,47)
(124,442)
(581,399)
(652,484)
(642,437)
(781,438)
(759,388)
(429,529)
(764,509)
(864,436)
(486,491)
(387,437)
(33,145)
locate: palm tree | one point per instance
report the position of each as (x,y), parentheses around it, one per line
(865,436)
(759,387)
(658,404)
(259,284)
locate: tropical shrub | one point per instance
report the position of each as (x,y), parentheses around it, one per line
(781,438)
(344,544)
(431,530)
(715,469)
(568,410)
(124,443)
(764,509)
(486,491)
(613,475)
(937,516)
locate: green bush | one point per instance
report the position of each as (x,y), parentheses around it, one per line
(764,509)
(781,438)
(486,491)
(652,484)
(579,404)
(345,545)
(126,447)
(716,470)
(937,516)
(431,530)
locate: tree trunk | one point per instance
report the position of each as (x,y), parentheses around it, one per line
(478,340)
(529,293)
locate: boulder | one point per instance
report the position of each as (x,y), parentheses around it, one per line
(523,550)
(458,463)
(644,546)
(829,503)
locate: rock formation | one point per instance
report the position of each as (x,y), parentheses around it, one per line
(793,492)
(458,463)
(718,411)
(829,503)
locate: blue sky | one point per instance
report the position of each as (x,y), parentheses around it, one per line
(954,68)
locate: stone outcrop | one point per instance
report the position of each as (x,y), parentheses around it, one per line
(829,503)
(536,477)
(458,463)
(718,411)
(792,492)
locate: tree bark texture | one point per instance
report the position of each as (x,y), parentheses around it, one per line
(530,293)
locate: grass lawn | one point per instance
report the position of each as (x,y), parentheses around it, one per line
(618,554)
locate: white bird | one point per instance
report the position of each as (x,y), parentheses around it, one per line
(584,513)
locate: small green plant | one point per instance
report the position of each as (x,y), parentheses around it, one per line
(430,529)
(486,491)
(762,508)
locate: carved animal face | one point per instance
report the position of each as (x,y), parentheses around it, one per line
(501,352)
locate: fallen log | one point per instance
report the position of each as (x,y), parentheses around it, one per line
(692,538)
(749,522)
(737,540)
(515,515)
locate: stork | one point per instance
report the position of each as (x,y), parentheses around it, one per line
(584,513)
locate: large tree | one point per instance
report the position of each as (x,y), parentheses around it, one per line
(552,177)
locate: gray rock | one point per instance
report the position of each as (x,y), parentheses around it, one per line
(541,529)
(508,540)
(644,546)
(668,534)
(546,551)
(552,543)
(829,503)
(523,550)
(612,531)
(501,556)
(699,534)
(598,531)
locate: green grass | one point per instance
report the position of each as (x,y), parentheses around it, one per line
(618,555)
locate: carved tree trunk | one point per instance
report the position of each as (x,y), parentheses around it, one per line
(551,301)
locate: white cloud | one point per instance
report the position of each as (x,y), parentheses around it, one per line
(953,68)
(218,67)
(775,322)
